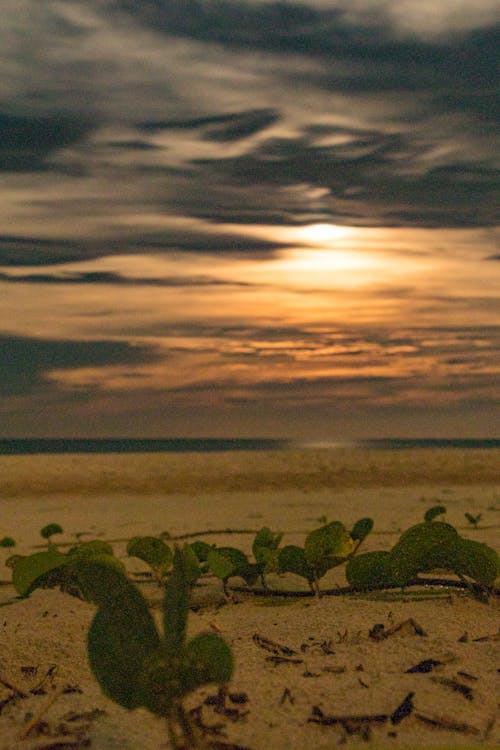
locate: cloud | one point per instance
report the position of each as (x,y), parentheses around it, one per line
(227,127)
(26,362)
(18,251)
(116,279)
(27,142)
(367,178)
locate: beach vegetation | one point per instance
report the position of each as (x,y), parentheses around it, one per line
(48,531)
(425,547)
(152,551)
(201,550)
(360,530)
(473,520)
(324,548)
(265,548)
(135,665)
(226,562)
(7,541)
(434,512)
(52,568)
(429,546)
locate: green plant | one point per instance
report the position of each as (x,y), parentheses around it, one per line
(432,513)
(7,541)
(154,552)
(473,520)
(422,548)
(47,532)
(360,530)
(135,665)
(52,567)
(265,548)
(226,562)
(324,548)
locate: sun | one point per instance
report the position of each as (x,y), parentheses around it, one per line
(321,234)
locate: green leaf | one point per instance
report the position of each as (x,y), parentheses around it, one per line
(473,520)
(477,561)
(192,567)
(152,551)
(292,559)
(91,549)
(206,658)
(265,539)
(370,569)
(330,540)
(267,560)
(50,530)
(225,562)
(13,560)
(436,510)
(27,570)
(176,603)
(422,548)
(361,529)
(201,549)
(122,635)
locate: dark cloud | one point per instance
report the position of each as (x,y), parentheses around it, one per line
(25,362)
(116,279)
(374,177)
(230,127)
(134,145)
(297,28)
(27,142)
(34,251)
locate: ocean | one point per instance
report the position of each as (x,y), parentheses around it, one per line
(34,446)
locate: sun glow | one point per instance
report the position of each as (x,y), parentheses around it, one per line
(321,234)
(325,261)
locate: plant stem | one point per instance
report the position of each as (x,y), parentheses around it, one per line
(186,727)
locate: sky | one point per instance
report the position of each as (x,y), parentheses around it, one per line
(245,218)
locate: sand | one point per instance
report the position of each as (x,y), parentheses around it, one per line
(337,669)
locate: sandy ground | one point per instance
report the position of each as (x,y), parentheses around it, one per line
(336,669)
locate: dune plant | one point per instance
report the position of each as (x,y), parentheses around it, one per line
(265,548)
(48,531)
(423,548)
(154,552)
(52,567)
(7,541)
(473,520)
(136,665)
(434,512)
(227,562)
(324,548)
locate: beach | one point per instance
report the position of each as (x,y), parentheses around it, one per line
(335,684)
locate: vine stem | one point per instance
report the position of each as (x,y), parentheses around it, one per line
(346,590)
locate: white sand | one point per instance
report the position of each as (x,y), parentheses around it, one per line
(116,497)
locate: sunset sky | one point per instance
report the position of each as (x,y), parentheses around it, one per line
(249,218)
